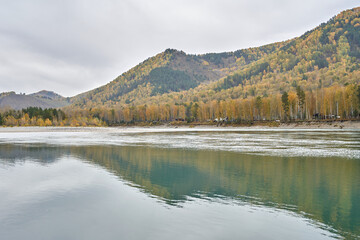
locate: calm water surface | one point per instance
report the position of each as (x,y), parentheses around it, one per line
(143,183)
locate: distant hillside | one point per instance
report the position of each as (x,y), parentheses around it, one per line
(47,95)
(326,56)
(170,71)
(322,57)
(43,99)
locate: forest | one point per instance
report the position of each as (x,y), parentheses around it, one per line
(35,116)
(334,103)
(312,77)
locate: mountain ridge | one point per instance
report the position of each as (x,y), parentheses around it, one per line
(42,99)
(204,68)
(240,73)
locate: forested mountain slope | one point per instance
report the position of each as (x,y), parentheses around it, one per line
(170,71)
(321,57)
(318,72)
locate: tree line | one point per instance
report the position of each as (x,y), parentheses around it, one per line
(35,116)
(335,102)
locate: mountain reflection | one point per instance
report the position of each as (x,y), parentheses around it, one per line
(325,189)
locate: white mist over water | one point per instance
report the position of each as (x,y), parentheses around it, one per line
(275,142)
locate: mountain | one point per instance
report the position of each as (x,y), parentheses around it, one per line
(326,56)
(170,71)
(48,95)
(42,99)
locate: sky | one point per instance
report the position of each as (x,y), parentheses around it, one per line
(72,46)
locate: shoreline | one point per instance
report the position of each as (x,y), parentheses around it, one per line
(337,125)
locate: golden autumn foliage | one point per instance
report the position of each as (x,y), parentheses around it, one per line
(246,84)
(335,102)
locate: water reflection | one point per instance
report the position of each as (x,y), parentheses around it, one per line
(326,190)
(319,143)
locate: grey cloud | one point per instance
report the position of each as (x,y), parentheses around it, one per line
(73,46)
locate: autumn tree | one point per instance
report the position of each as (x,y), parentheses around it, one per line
(285,105)
(11,121)
(47,122)
(358,96)
(258,105)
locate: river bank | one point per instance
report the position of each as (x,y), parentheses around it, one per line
(201,126)
(278,125)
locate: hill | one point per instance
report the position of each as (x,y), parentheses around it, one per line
(323,57)
(48,95)
(42,99)
(167,72)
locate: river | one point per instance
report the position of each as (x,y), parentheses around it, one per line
(168,183)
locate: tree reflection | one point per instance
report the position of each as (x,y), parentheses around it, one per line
(325,189)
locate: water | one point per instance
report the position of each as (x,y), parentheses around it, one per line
(144,183)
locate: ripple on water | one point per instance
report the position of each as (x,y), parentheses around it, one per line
(262,141)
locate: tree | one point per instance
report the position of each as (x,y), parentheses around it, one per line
(301,97)
(11,121)
(258,105)
(358,95)
(285,104)
(292,104)
(40,122)
(344,47)
(48,122)
(24,120)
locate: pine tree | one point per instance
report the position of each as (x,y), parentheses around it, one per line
(301,97)
(285,105)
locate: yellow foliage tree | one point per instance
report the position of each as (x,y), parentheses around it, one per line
(47,122)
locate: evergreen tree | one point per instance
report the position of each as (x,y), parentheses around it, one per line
(285,104)
(301,97)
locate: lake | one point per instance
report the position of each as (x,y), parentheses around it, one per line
(168,183)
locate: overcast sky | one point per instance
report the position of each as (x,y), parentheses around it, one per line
(71,46)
